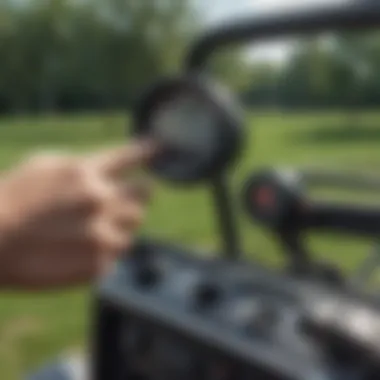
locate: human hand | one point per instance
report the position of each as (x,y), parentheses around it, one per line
(65,219)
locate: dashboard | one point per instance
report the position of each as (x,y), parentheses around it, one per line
(269,323)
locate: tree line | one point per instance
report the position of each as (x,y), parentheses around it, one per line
(66,55)
(336,71)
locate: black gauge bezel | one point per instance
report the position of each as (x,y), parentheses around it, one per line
(229,124)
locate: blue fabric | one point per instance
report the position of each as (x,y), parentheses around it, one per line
(54,372)
(70,368)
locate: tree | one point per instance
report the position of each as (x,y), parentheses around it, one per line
(70,55)
(233,68)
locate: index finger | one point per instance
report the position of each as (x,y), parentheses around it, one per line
(118,160)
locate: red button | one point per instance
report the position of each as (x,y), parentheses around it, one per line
(265,197)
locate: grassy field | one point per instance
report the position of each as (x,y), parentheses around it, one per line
(37,328)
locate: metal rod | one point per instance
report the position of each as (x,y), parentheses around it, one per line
(349,180)
(228,225)
(365,272)
(362,15)
(322,177)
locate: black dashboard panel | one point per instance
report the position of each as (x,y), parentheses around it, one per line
(269,323)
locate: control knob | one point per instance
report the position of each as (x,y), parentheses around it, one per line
(147,275)
(207,295)
(147,269)
(263,320)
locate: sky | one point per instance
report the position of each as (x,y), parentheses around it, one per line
(216,11)
(222,9)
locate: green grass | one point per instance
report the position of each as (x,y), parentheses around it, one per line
(37,328)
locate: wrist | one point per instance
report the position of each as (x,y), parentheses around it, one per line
(8,232)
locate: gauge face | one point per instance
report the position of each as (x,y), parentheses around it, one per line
(189,129)
(196,131)
(187,122)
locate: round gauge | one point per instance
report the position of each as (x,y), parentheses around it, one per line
(196,125)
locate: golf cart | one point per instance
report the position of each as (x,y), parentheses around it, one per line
(166,313)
